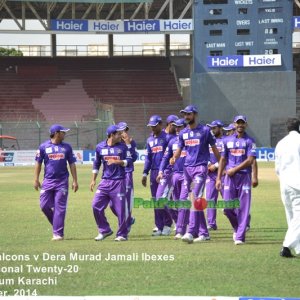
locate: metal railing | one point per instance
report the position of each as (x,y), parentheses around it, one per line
(101,50)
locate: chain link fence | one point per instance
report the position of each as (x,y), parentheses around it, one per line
(29,135)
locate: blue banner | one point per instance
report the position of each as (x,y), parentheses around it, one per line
(142,26)
(69,25)
(241,61)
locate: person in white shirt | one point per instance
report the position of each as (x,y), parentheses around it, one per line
(287,166)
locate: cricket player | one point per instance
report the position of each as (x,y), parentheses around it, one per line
(131,145)
(195,139)
(211,192)
(229,130)
(164,189)
(177,179)
(115,156)
(156,146)
(54,190)
(238,156)
(287,167)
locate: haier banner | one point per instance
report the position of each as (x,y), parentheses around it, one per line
(127,26)
(241,61)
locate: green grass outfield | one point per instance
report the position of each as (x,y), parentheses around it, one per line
(217,267)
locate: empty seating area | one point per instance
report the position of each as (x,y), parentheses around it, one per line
(67,89)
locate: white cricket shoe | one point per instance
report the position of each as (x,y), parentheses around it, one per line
(201,238)
(188,238)
(157,233)
(120,239)
(102,236)
(178,236)
(57,238)
(166,230)
(155,229)
(238,242)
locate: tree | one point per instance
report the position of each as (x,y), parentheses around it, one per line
(10,52)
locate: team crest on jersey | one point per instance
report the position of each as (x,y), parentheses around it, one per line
(119,151)
(151,144)
(191,133)
(128,154)
(56,156)
(62,149)
(185,136)
(198,134)
(48,150)
(229,144)
(192,142)
(104,151)
(56,148)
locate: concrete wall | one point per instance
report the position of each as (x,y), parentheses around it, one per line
(183,65)
(262,96)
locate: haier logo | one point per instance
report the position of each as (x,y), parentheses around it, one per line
(141,26)
(225,61)
(176,25)
(296,22)
(69,25)
(240,61)
(262,60)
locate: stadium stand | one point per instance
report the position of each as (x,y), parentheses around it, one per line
(68,89)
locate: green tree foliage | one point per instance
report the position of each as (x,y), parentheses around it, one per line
(10,52)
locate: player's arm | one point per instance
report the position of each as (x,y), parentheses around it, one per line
(254,174)
(245,164)
(127,159)
(165,161)
(147,165)
(216,152)
(177,153)
(96,167)
(222,164)
(74,176)
(37,172)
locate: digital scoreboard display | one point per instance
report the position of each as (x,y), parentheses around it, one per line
(245,29)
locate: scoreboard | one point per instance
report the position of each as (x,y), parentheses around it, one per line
(242,35)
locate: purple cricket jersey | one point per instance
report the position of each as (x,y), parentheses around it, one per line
(155,150)
(55,157)
(104,152)
(220,146)
(170,150)
(236,150)
(54,192)
(195,142)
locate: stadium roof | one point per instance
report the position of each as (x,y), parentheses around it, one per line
(87,1)
(44,10)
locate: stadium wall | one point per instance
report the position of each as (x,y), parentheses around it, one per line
(262,96)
